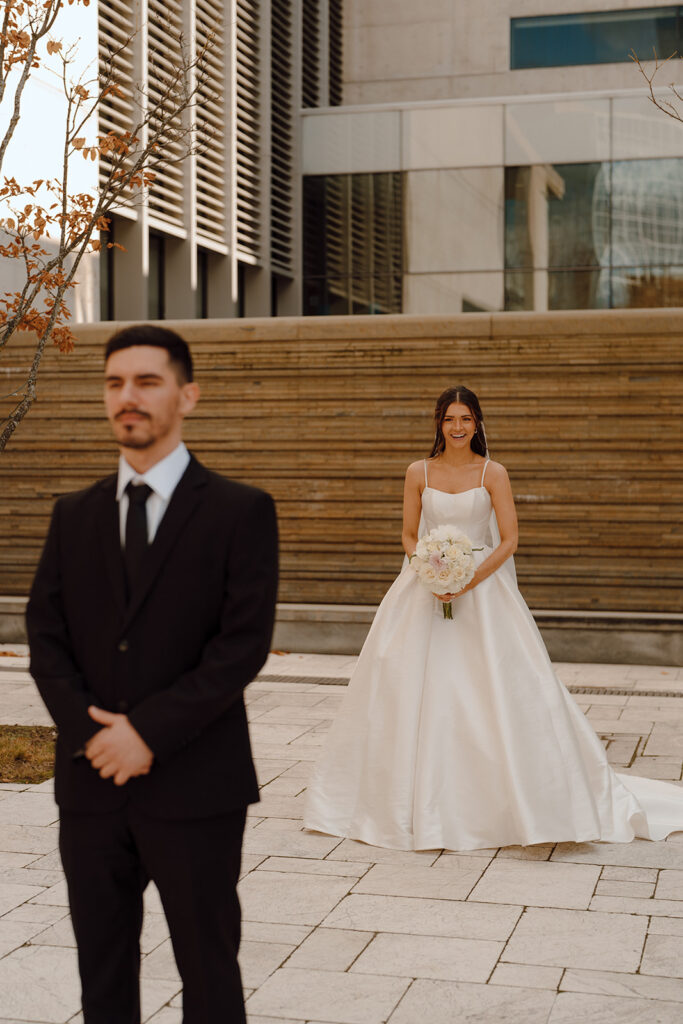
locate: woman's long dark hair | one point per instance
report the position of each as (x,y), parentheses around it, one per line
(468,398)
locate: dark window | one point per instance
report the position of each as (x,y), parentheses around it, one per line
(156,283)
(353,243)
(202,293)
(597,37)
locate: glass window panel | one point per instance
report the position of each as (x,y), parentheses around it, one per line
(353,229)
(550,213)
(443,294)
(596,37)
(541,290)
(647,213)
(643,287)
(337,301)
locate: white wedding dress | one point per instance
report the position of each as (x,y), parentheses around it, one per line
(457,734)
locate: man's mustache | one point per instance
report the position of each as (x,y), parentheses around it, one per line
(126,412)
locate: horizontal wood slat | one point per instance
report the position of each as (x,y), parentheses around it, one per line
(326,413)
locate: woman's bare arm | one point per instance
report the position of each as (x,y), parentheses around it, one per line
(412,506)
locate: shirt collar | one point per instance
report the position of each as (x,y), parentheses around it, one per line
(163,477)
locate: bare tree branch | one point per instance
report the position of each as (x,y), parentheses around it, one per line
(161,135)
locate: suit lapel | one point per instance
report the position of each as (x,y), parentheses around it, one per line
(184,500)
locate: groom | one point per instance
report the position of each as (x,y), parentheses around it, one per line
(151,610)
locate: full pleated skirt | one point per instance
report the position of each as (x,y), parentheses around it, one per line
(457,734)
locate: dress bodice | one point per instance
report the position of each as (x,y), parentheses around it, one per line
(469,510)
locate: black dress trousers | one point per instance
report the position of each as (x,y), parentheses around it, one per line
(108,860)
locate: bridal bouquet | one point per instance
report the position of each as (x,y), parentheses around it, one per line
(444,562)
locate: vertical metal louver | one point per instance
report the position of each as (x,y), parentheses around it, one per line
(281,186)
(310,53)
(211,157)
(387,242)
(116,27)
(164,56)
(248,129)
(335,52)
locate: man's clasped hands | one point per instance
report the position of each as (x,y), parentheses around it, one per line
(117,751)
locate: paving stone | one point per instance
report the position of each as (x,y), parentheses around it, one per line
(167,1015)
(445,883)
(43,915)
(663,956)
(15,860)
(40,983)
(670,885)
(537,883)
(259,931)
(283,787)
(330,949)
(665,739)
(665,926)
(256,1018)
(629,905)
(15,933)
(526,976)
(27,839)
(611,983)
(258,960)
(640,853)
(160,964)
(607,887)
(27,809)
(278,825)
(281,807)
(571,1008)
(406,915)
(30,876)
(447,1002)
(267,769)
(289,898)
(618,874)
(429,956)
(576,938)
(289,843)
(325,996)
(12,896)
(349,849)
(541,851)
(342,868)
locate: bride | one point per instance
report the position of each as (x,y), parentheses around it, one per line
(457,734)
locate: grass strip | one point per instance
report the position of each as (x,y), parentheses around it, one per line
(27,753)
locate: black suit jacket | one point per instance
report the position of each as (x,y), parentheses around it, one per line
(175,657)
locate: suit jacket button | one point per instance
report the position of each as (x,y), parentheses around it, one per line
(122,707)
(123,646)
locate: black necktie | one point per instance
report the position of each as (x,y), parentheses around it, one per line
(136,531)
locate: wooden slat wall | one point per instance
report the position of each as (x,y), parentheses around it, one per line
(326,413)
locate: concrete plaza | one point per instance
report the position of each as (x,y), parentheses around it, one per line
(336,932)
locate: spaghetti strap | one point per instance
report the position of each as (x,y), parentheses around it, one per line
(483,472)
(426,481)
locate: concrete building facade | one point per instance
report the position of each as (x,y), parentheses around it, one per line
(505,186)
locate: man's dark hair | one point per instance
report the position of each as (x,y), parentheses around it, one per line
(159,337)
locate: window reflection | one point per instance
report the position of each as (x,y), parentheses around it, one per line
(353,243)
(595,37)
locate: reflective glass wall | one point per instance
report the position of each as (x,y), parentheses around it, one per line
(538,204)
(353,243)
(594,235)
